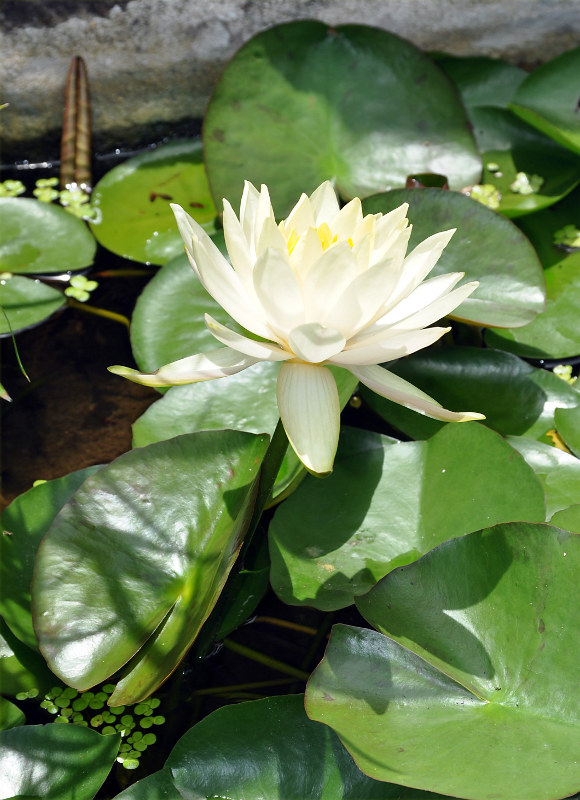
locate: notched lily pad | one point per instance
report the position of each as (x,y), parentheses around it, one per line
(26,302)
(301,103)
(132,200)
(482,81)
(470,687)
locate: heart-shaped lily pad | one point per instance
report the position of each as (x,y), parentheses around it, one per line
(302,103)
(510,147)
(548,99)
(487,247)
(482,81)
(515,397)
(26,302)
(132,200)
(387,503)
(135,561)
(475,692)
(555,333)
(41,238)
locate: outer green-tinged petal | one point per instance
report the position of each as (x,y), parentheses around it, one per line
(4,394)
(315,343)
(392,387)
(263,351)
(203,367)
(310,411)
(394,344)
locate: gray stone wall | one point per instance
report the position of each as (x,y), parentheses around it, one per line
(153,63)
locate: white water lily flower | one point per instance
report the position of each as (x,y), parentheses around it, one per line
(325,286)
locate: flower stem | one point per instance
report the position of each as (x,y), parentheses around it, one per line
(100,312)
(267,661)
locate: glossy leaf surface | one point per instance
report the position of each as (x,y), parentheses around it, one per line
(554,333)
(54,762)
(302,103)
(133,202)
(512,146)
(21,668)
(515,397)
(568,519)
(24,523)
(387,503)
(482,81)
(474,694)
(548,99)
(39,238)
(134,562)
(568,424)
(158,786)
(26,302)
(272,750)
(10,715)
(487,247)
(558,472)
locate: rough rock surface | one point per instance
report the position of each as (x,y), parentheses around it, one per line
(153,63)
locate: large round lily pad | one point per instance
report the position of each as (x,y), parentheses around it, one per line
(41,238)
(482,81)
(473,689)
(548,99)
(26,302)
(302,103)
(135,220)
(487,247)
(387,503)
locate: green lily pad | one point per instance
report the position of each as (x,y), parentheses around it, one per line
(487,247)
(10,715)
(302,103)
(474,693)
(482,81)
(54,762)
(515,397)
(132,200)
(558,472)
(548,99)
(41,238)
(511,146)
(555,332)
(26,302)
(135,561)
(568,519)
(24,523)
(568,425)
(387,503)
(272,750)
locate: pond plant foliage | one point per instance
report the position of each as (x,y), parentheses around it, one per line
(448,554)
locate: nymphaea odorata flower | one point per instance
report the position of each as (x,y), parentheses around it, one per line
(325,286)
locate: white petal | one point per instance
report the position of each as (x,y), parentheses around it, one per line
(203,367)
(237,244)
(421,261)
(279,293)
(388,227)
(300,218)
(189,230)
(315,343)
(324,203)
(307,251)
(392,387)
(436,310)
(348,218)
(249,210)
(271,236)
(250,347)
(326,280)
(391,346)
(224,285)
(310,412)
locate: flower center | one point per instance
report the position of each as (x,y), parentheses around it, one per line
(324,234)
